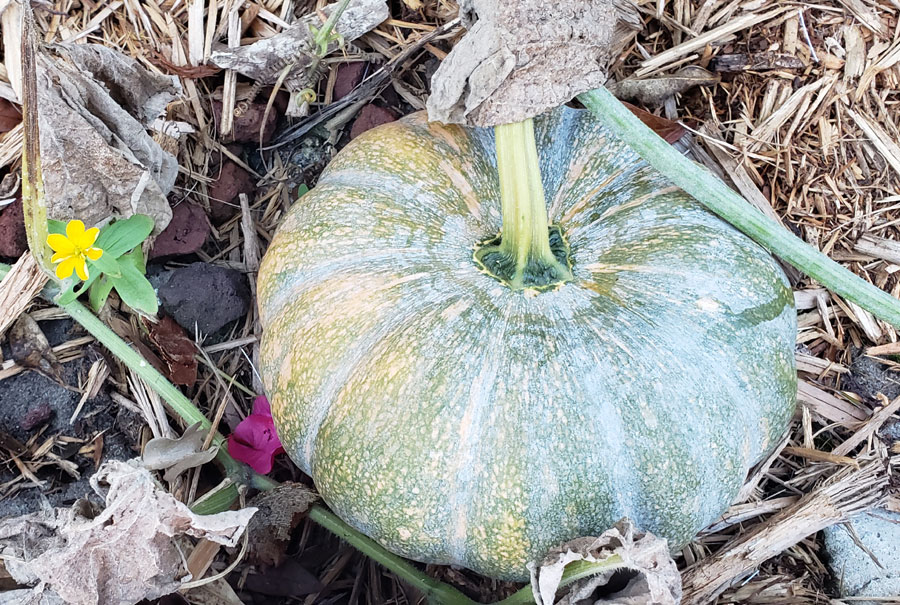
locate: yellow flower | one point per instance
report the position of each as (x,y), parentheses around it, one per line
(72,248)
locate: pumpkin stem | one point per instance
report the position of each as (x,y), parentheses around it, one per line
(528,254)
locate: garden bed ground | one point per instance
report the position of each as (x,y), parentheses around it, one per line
(800,112)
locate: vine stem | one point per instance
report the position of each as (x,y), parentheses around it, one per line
(728,205)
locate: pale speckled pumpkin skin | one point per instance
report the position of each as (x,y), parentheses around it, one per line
(457,421)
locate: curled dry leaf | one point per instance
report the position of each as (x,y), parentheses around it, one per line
(654,91)
(280,510)
(669,130)
(644,565)
(523,57)
(10,116)
(178,455)
(177,350)
(98,159)
(30,349)
(265,59)
(122,554)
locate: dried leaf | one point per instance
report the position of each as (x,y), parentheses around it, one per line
(670,130)
(98,160)
(654,91)
(122,554)
(280,510)
(265,59)
(29,348)
(10,116)
(177,350)
(651,576)
(523,57)
(178,455)
(184,71)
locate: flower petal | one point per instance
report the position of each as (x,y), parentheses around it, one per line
(65,268)
(260,461)
(87,239)
(60,243)
(93,253)
(81,268)
(261,406)
(60,256)
(75,230)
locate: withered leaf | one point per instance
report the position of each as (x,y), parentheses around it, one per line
(10,116)
(521,58)
(122,554)
(184,71)
(280,510)
(178,455)
(654,91)
(177,350)
(94,105)
(669,130)
(30,349)
(651,576)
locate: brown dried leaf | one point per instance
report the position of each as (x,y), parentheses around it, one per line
(184,71)
(670,130)
(98,160)
(652,576)
(521,58)
(177,350)
(654,91)
(178,455)
(10,116)
(122,554)
(280,510)
(30,349)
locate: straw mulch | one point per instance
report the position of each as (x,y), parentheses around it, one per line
(804,122)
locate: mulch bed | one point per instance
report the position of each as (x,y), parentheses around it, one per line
(803,118)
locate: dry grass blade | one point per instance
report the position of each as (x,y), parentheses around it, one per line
(845,493)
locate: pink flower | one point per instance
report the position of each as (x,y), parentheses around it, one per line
(254,441)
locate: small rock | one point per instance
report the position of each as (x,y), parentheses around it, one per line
(349,75)
(37,416)
(370,117)
(13,241)
(854,570)
(224,191)
(246,126)
(206,295)
(185,233)
(867,378)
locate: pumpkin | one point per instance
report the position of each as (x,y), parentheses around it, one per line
(459,421)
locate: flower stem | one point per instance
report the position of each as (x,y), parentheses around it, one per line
(728,205)
(181,405)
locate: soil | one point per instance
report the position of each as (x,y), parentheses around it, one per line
(23,394)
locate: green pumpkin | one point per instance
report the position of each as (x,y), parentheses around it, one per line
(458,421)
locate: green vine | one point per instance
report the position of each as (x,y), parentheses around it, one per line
(728,205)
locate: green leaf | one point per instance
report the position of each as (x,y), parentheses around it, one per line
(132,287)
(121,236)
(105,264)
(56,227)
(99,293)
